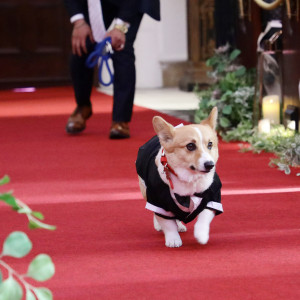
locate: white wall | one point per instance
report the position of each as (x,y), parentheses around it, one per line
(160,42)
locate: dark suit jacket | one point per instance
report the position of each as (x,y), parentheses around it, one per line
(126,8)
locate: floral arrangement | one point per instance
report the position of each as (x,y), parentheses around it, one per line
(233,93)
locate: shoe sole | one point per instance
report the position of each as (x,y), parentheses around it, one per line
(74,131)
(118,136)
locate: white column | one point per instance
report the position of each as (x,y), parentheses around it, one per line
(164,41)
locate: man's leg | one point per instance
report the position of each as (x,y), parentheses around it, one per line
(124,82)
(82,79)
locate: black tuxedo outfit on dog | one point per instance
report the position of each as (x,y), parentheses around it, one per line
(130,11)
(159,199)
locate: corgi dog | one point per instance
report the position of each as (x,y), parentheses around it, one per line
(178,179)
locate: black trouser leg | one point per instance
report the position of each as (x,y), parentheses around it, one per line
(125,76)
(82,77)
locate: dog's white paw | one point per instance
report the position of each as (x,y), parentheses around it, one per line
(202,234)
(173,240)
(201,229)
(181,227)
(156,224)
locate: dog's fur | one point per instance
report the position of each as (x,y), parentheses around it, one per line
(191,168)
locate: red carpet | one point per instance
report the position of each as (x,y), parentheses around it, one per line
(105,246)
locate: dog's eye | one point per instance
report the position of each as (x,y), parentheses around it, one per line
(209,145)
(191,146)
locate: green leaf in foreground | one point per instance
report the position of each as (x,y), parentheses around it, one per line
(17,244)
(0,276)
(41,268)
(10,289)
(9,199)
(4,180)
(43,294)
(38,215)
(33,224)
(30,295)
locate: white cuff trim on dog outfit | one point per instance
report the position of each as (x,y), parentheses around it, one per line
(159,210)
(215,205)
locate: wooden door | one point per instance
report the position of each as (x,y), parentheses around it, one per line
(34,43)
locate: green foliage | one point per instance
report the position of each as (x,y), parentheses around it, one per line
(288,155)
(41,268)
(10,289)
(34,217)
(18,245)
(4,180)
(242,132)
(232,92)
(43,294)
(284,143)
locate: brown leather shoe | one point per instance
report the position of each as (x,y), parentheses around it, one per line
(119,130)
(77,120)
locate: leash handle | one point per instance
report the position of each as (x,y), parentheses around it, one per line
(100,56)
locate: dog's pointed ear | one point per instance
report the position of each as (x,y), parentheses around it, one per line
(212,119)
(164,130)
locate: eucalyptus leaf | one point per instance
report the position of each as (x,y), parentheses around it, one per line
(30,295)
(234,54)
(43,294)
(10,289)
(221,68)
(4,180)
(38,215)
(240,72)
(227,109)
(17,244)
(33,224)
(9,199)
(224,122)
(211,61)
(41,268)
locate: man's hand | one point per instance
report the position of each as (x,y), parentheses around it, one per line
(81,30)
(118,39)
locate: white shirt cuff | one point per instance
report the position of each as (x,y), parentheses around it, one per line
(76,17)
(118,21)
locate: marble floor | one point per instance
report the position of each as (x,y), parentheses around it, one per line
(172,101)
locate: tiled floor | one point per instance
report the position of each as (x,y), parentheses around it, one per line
(171,101)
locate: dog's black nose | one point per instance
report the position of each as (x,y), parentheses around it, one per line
(209,165)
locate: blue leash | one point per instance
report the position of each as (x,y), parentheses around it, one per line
(102,53)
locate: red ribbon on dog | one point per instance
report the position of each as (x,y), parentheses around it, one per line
(167,168)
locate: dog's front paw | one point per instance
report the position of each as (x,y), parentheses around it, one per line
(181,227)
(202,234)
(156,224)
(173,240)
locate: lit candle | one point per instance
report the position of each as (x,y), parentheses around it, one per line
(271,108)
(264,126)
